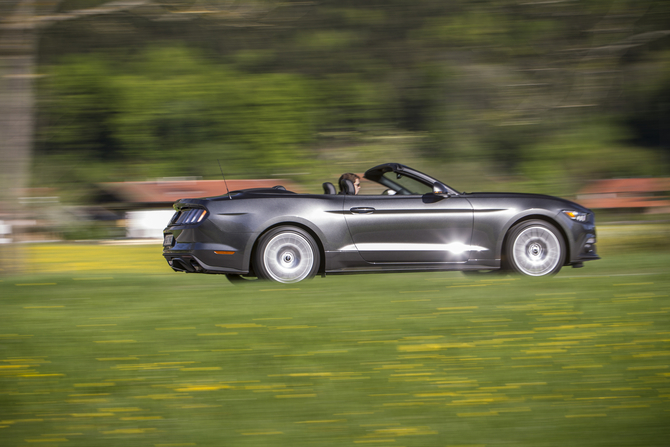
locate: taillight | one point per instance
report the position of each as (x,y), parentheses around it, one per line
(189,216)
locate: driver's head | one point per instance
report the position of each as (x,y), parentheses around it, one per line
(355,179)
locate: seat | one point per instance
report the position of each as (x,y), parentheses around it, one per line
(347,187)
(329,188)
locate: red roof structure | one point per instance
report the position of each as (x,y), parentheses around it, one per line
(169,191)
(632,193)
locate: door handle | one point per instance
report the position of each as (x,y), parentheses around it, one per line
(362,210)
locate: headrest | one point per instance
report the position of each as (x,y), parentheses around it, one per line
(347,187)
(329,188)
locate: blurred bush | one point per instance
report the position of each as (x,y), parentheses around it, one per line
(633,238)
(169,111)
(539,96)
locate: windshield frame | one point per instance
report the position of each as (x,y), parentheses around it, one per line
(376,174)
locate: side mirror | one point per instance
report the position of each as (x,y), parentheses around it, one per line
(438,188)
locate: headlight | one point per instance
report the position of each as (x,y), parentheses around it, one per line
(576,215)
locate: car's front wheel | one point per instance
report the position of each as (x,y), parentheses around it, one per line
(535,248)
(287,255)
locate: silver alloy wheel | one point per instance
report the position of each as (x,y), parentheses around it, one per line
(536,251)
(288,257)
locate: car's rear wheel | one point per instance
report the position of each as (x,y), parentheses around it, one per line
(535,248)
(287,255)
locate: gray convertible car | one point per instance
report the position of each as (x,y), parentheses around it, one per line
(414,223)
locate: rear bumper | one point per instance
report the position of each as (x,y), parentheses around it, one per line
(184,255)
(203,250)
(190,263)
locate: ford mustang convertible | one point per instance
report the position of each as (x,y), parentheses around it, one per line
(413,223)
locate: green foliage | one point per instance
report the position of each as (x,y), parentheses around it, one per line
(81,103)
(327,40)
(349,102)
(84,230)
(363,16)
(176,111)
(489,91)
(563,163)
(649,97)
(632,239)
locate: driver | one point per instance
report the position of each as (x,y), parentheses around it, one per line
(355,179)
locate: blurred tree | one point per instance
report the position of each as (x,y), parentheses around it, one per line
(172,112)
(481,80)
(20,24)
(647,102)
(593,150)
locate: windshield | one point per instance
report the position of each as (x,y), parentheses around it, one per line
(404,185)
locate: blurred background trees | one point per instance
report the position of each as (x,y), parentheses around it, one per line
(535,96)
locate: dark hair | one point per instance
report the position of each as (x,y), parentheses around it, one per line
(350,176)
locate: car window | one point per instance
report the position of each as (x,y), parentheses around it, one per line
(370,188)
(404,185)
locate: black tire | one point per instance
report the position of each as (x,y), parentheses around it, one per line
(535,248)
(286,255)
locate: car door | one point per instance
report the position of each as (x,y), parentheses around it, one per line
(428,228)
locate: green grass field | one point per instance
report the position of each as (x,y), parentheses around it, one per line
(98,351)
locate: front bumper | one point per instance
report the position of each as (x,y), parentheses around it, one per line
(586,250)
